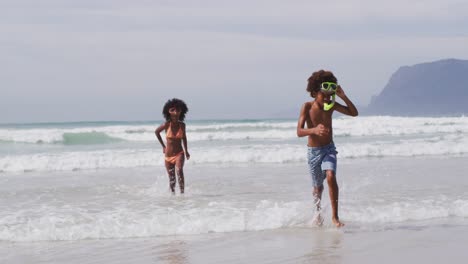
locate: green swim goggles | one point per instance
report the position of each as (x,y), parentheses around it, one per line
(329,88)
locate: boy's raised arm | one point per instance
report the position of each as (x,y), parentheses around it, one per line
(350,109)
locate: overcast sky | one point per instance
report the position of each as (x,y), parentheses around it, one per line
(63,60)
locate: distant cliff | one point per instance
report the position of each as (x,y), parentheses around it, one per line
(434,88)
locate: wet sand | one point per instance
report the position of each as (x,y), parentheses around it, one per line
(400,244)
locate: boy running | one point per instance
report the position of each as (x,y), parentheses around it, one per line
(321,155)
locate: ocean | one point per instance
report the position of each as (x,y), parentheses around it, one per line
(89,192)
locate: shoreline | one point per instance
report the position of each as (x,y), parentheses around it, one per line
(297,245)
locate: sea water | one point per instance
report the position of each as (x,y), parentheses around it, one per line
(106,180)
(107,145)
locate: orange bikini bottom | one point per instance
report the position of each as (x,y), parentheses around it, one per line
(173,159)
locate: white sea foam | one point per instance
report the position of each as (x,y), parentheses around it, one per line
(356,127)
(69,161)
(391,126)
(393,212)
(77,223)
(229,154)
(126,146)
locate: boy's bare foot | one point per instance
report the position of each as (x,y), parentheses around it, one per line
(337,222)
(318,219)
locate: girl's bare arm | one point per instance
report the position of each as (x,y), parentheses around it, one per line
(184,141)
(157,132)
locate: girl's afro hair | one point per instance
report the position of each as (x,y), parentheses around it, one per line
(177,103)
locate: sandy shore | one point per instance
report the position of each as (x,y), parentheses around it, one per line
(400,244)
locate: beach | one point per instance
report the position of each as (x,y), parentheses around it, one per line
(98,203)
(187,131)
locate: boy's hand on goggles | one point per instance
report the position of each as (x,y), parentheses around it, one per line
(340,92)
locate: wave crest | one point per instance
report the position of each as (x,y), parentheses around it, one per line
(88,138)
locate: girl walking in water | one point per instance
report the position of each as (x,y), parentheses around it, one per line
(175,150)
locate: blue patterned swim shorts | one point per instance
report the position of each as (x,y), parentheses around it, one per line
(321,159)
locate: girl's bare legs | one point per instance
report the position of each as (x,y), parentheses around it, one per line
(170,168)
(180,172)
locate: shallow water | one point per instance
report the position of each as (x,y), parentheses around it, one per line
(110,202)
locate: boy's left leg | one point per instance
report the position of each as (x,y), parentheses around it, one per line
(317,195)
(334,193)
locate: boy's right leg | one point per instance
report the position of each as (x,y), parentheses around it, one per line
(314,160)
(317,194)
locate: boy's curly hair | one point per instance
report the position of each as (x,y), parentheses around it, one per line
(317,78)
(177,103)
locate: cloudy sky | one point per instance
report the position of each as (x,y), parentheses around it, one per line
(63,60)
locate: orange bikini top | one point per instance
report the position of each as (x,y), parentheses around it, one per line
(179,135)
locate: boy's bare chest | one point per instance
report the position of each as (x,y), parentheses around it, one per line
(320,117)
